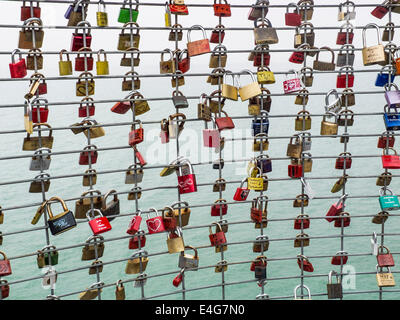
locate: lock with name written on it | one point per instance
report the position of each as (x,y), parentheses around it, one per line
(41,160)
(335,290)
(188,261)
(293,84)
(80,40)
(61,222)
(265,75)
(198,47)
(18,68)
(388,202)
(391,117)
(299,55)
(98,224)
(264,33)
(384,279)
(390,161)
(374,54)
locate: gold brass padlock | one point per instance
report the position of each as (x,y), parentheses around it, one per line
(129,40)
(101,14)
(295,148)
(135,193)
(119,291)
(302,97)
(229,91)
(303,121)
(302,240)
(329,128)
(176,33)
(380,217)
(339,184)
(85,86)
(96,267)
(265,75)
(260,139)
(86,177)
(32,143)
(307,162)
(375,54)
(167,66)
(384,279)
(221,266)
(92,292)
(219,185)
(137,263)
(251,90)
(384,179)
(218,57)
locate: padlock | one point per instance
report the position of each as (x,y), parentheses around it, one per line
(154,225)
(380,217)
(294,148)
(184,62)
(89,154)
(101,14)
(127,84)
(1,216)
(392,96)
(340,258)
(384,259)
(178,7)
(229,91)
(176,33)
(293,84)
(347,14)
(179,101)
(17,69)
(258,211)
(388,202)
(137,263)
(50,255)
(200,46)
(327,127)
(176,124)
(251,90)
(128,14)
(260,124)
(167,66)
(301,200)
(347,36)
(92,245)
(169,219)
(134,224)
(102,66)
(302,97)
(299,55)
(346,56)
(292,19)
(302,222)
(255,182)
(64,67)
(211,137)
(343,220)
(306,9)
(304,263)
(384,179)
(265,75)
(260,11)
(80,40)
(224,123)
(136,136)
(138,241)
(390,51)
(344,160)
(133,175)
(263,162)
(222,9)
(77,12)
(178,279)
(242,193)
(92,292)
(216,77)
(384,279)
(302,240)
(70,9)
(5,266)
(385,79)
(86,108)
(218,57)
(219,208)
(375,54)
(307,76)
(94,129)
(260,56)
(305,37)
(322,65)
(133,60)
(348,98)
(390,161)
(218,34)
(129,40)
(41,160)
(345,80)
(39,181)
(307,162)
(302,297)
(139,156)
(32,143)
(388,32)
(264,33)
(175,242)
(216,101)
(346,118)
(261,244)
(218,238)
(4,289)
(182,215)
(31,30)
(89,178)
(61,222)
(295,169)
(260,142)
(85,88)
(34,56)
(122,107)
(335,209)
(339,184)
(188,261)
(203,109)
(84,63)
(395,9)
(259,266)
(30,11)
(110,209)
(98,225)
(178,80)
(119,291)
(303,121)
(37,86)
(335,290)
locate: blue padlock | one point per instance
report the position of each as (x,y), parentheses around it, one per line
(383,78)
(261,125)
(70,9)
(391,118)
(264,162)
(388,202)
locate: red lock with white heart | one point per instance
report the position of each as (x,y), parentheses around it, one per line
(219,207)
(99,224)
(218,238)
(134,225)
(390,161)
(156,224)
(241,193)
(340,258)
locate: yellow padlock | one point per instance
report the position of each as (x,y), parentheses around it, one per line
(101,15)
(265,75)
(255,183)
(102,66)
(64,67)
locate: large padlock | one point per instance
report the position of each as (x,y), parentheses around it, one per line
(375,54)
(129,40)
(41,160)
(128,14)
(198,47)
(188,261)
(264,33)
(84,39)
(255,181)
(137,263)
(32,143)
(98,224)
(31,35)
(388,202)
(335,290)
(63,221)
(322,65)
(17,68)
(175,242)
(251,90)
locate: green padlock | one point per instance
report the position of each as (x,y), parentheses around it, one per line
(50,258)
(124,13)
(388,202)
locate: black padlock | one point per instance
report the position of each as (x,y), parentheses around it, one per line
(179,100)
(219,164)
(335,290)
(61,222)
(110,209)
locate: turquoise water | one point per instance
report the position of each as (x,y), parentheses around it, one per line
(18,220)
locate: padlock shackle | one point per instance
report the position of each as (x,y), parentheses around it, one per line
(292,4)
(4,255)
(55,199)
(370,25)
(94,211)
(234,77)
(264,22)
(253,78)
(199,27)
(381,271)
(152,210)
(164,52)
(384,190)
(302,286)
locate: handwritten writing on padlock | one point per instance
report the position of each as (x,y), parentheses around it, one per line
(187,182)
(292,85)
(156,224)
(99,224)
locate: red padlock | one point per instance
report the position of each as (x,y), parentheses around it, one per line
(187,182)
(84,155)
(139,157)
(198,47)
(335,209)
(30,11)
(344,157)
(342,218)
(258,211)
(342,35)
(80,61)
(297,57)
(17,69)
(342,78)
(211,138)
(390,161)
(136,135)
(241,193)
(134,225)
(79,39)
(156,224)
(386,140)
(260,261)
(293,19)
(292,85)
(384,259)
(139,238)
(170,222)
(178,279)
(340,258)
(121,107)
(100,224)
(224,123)
(222,9)
(302,219)
(215,34)
(5,266)
(5,289)
(261,51)
(307,265)
(178,9)
(184,63)
(295,170)
(379,12)
(219,208)
(218,238)
(86,106)
(43,114)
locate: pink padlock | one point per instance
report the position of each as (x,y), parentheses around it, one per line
(211,138)
(98,225)
(187,182)
(134,225)
(335,209)
(292,85)
(156,224)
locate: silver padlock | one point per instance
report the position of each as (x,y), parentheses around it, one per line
(133,175)
(334,106)
(188,261)
(40,160)
(345,56)
(306,141)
